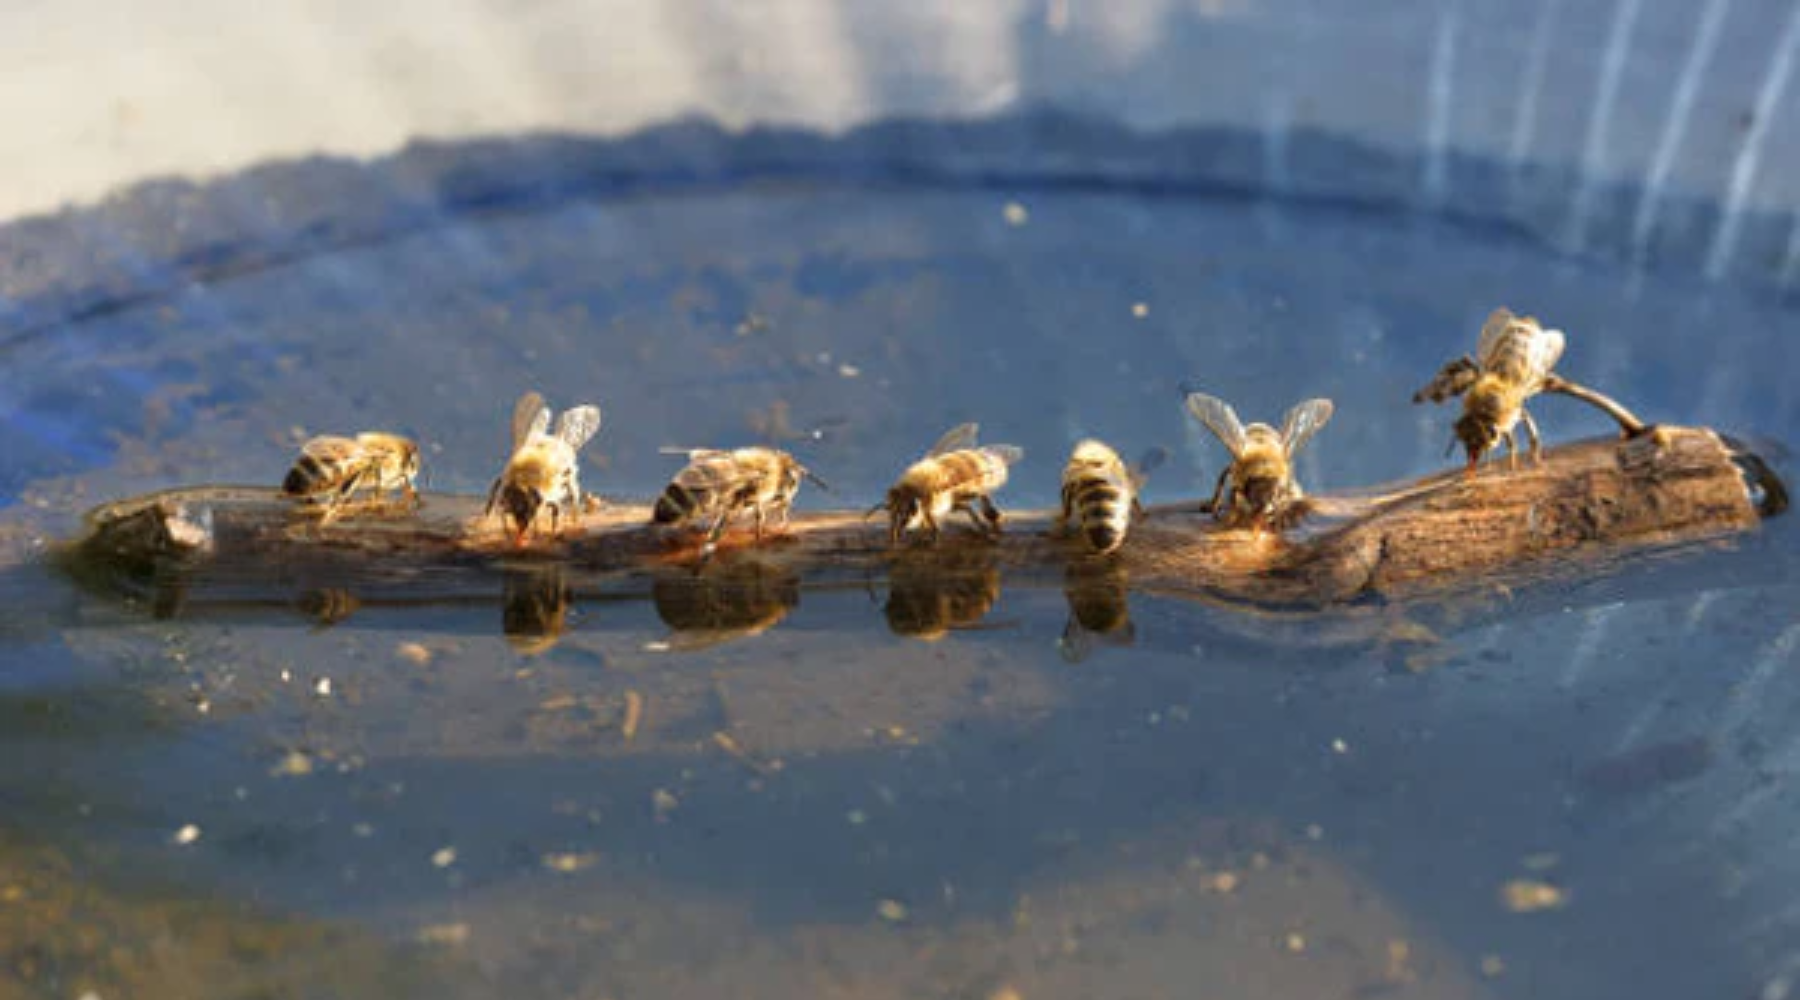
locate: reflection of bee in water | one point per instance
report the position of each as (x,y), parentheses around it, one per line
(928,595)
(1100,495)
(953,475)
(1513,361)
(331,469)
(1258,486)
(543,471)
(1098,609)
(716,485)
(328,606)
(535,608)
(736,600)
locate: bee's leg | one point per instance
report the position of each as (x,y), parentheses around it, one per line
(1531,435)
(555,517)
(757,513)
(493,499)
(992,513)
(719,523)
(1512,451)
(1065,514)
(1219,494)
(930,523)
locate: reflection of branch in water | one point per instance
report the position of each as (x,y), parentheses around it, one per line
(735,598)
(1098,608)
(536,607)
(932,591)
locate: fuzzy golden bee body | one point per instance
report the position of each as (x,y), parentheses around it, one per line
(331,469)
(544,470)
(955,474)
(1258,487)
(1100,494)
(1513,362)
(716,485)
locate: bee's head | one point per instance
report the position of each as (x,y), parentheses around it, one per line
(409,461)
(902,506)
(1261,492)
(521,504)
(1479,435)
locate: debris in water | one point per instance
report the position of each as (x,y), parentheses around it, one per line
(1295,943)
(1492,966)
(891,910)
(634,714)
(569,863)
(1225,883)
(445,935)
(322,687)
(1523,895)
(443,857)
(1140,309)
(294,765)
(413,652)
(187,834)
(1015,214)
(849,371)
(663,802)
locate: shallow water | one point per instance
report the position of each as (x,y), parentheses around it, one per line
(829,805)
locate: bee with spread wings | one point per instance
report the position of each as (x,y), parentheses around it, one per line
(544,471)
(955,474)
(1514,361)
(1258,486)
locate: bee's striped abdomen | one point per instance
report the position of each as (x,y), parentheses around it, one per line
(676,504)
(972,471)
(309,475)
(1105,514)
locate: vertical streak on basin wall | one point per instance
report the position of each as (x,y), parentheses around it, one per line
(1437,116)
(1674,131)
(1743,169)
(1594,149)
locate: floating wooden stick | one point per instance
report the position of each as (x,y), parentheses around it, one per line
(1582,513)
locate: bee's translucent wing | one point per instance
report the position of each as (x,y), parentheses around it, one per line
(1008,453)
(693,454)
(956,439)
(1302,422)
(1453,380)
(1219,417)
(1545,350)
(578,425)
(530,418)
(330,448)
(1493,333)
(1148,462)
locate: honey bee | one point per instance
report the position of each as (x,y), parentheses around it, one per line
(716,485)
(1258,486)
(331,469)
(543,471)
(1100,494)
(954,475)
(1513,361)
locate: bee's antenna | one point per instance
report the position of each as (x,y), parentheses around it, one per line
(1448,448)
(816,481)
(872,510)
